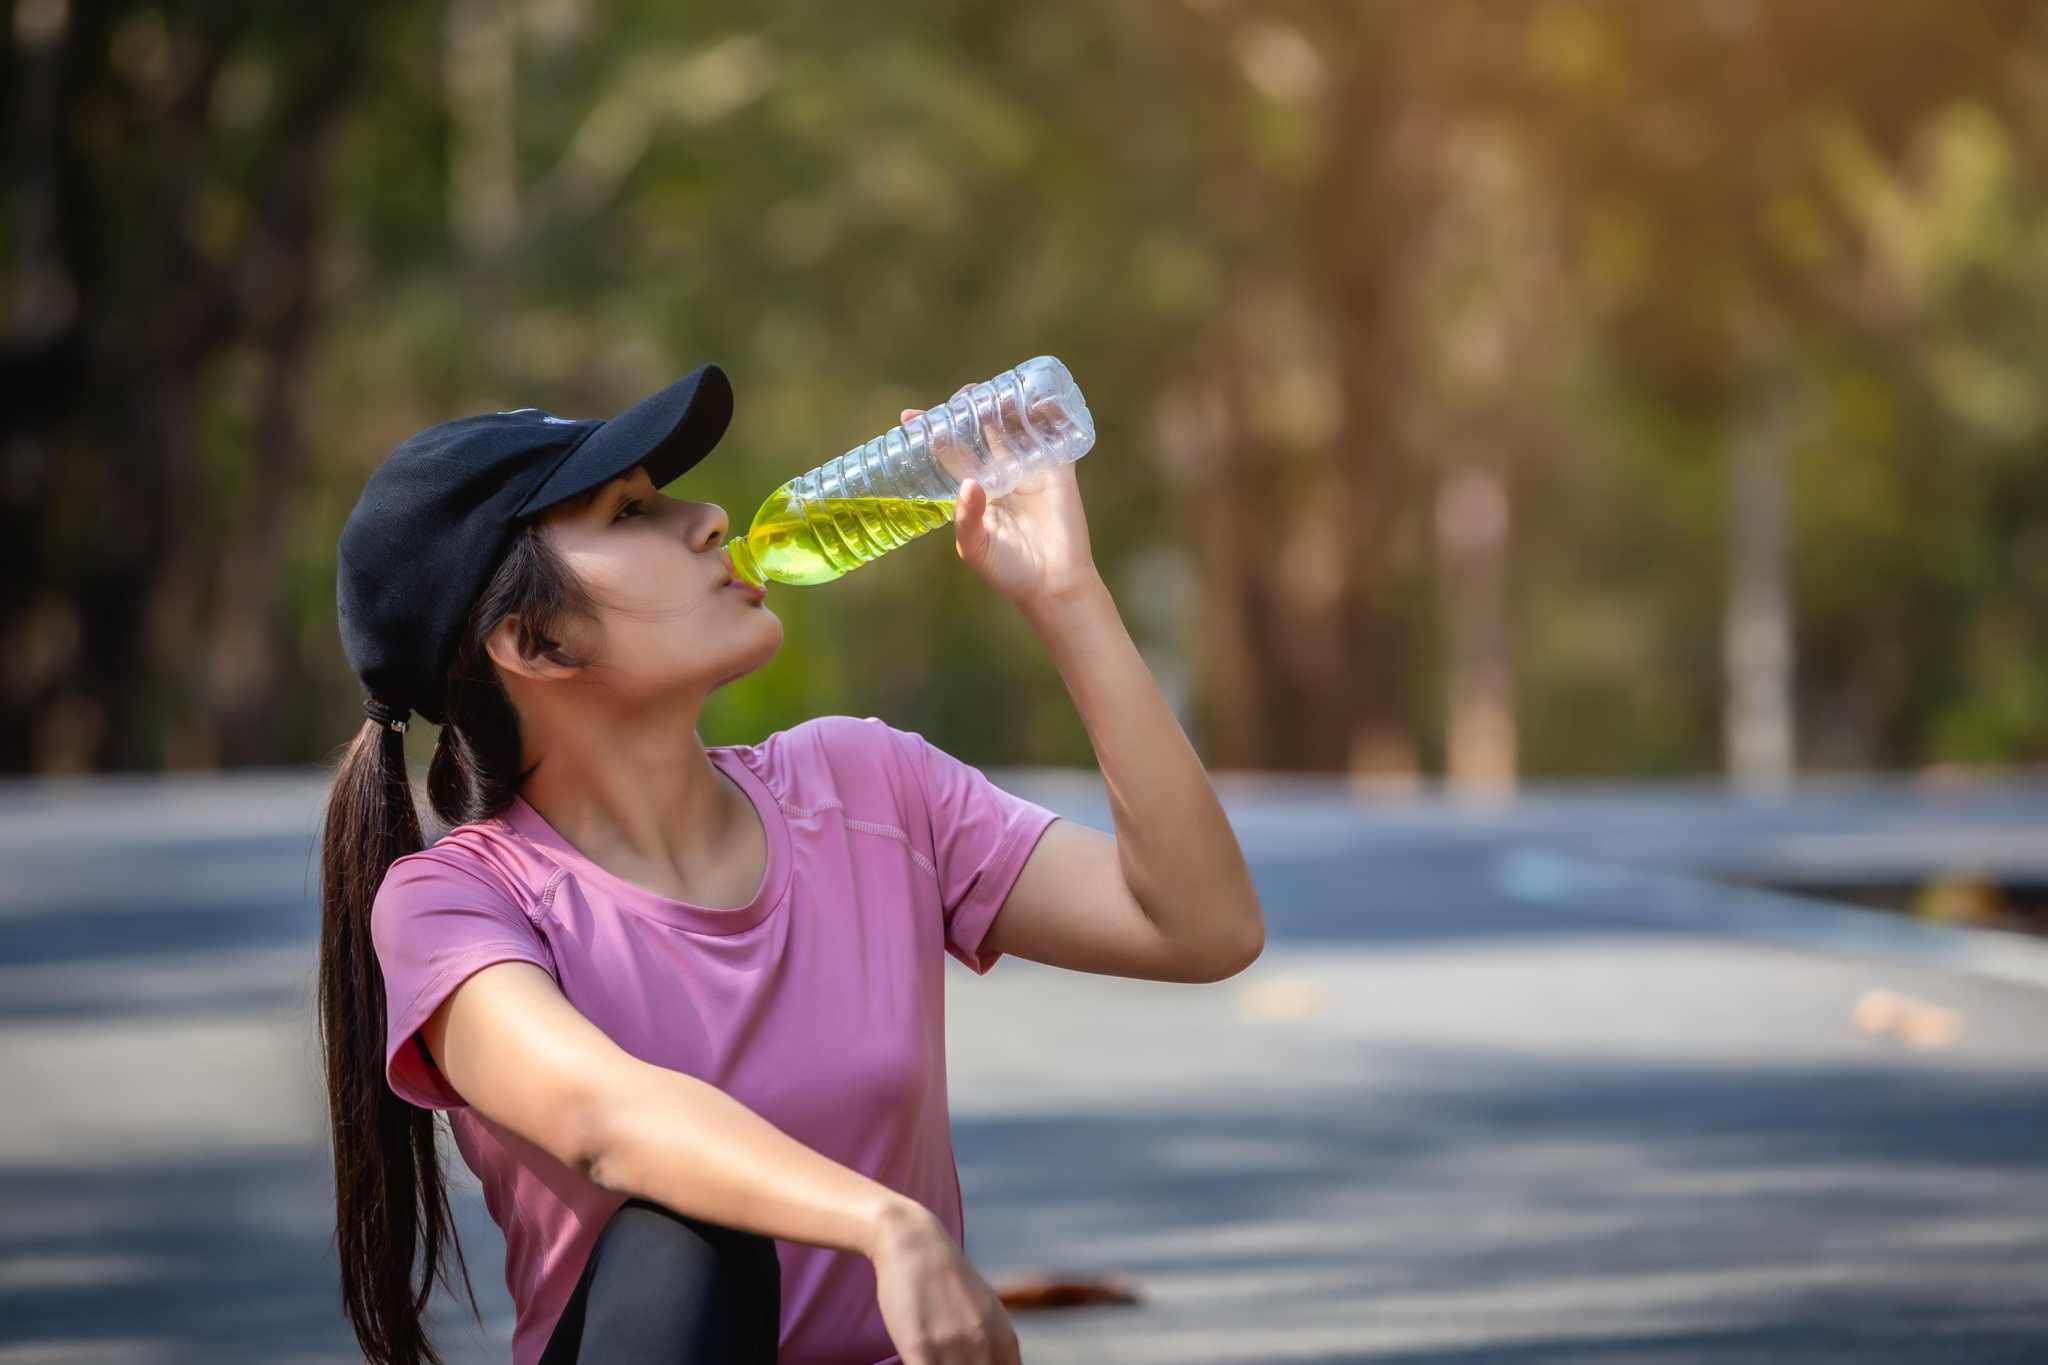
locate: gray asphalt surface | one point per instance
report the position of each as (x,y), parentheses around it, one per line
(1458,1112)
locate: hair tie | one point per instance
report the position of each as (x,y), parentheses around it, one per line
(393,716)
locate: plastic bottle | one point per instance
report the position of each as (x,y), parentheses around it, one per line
(888,492)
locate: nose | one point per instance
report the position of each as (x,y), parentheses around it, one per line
(712,527)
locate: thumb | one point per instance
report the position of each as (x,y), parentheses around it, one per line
(968,530)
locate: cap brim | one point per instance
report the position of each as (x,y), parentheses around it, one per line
(669,433)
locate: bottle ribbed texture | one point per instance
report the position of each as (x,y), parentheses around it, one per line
(896,487)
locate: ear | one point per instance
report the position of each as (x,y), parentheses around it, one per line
(502,645)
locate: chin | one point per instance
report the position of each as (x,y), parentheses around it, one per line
(758,655)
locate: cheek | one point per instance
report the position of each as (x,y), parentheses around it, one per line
(639,578)
(655,615)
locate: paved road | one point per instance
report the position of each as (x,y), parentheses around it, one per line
(1456,1113)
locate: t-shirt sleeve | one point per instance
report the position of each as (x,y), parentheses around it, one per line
(434,925)
(981,838)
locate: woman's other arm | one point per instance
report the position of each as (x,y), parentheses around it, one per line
(518,1052)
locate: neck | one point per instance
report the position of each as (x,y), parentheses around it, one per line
(635,788)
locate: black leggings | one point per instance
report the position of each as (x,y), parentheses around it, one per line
(661,1286)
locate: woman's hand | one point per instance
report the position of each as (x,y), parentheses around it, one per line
(937,1308)
(1032,547)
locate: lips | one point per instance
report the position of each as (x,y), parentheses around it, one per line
(733,580)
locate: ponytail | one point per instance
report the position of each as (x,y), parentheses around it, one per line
(391,1199)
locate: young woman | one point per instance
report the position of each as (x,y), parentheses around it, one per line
(684,1004)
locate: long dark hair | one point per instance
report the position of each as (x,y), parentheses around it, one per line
(390,1200)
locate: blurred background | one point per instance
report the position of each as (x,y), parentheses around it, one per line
(1485,389)
(1575,466)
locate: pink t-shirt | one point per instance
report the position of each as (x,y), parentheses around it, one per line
(819,1004)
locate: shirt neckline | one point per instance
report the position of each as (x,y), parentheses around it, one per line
(702,919)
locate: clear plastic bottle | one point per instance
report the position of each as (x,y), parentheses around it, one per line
(886,493)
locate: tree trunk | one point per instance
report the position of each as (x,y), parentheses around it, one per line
(1375,200)
(1472,539)
(1757,626)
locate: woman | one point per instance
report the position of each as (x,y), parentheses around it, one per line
(685,1003)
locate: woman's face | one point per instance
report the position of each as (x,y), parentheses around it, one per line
(671,619)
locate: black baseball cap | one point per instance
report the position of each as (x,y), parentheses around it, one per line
(437,514)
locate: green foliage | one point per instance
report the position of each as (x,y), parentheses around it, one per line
(1593,208)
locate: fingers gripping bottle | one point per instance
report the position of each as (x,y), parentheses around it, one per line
(902,484)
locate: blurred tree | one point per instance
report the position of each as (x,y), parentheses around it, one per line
(1728,172)
(166,176)
(1421,338)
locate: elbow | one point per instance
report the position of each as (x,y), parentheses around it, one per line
(1249,950)
(583,1146)
(591,1146)
(1240,951)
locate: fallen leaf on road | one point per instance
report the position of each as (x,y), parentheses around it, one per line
(1063,1291)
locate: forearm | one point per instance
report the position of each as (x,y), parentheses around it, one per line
(1180,857)
(687,1145)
